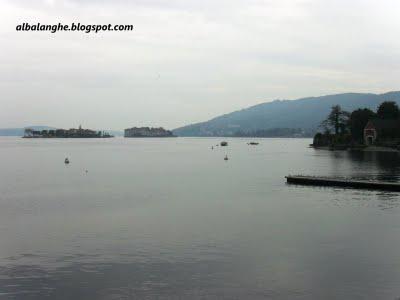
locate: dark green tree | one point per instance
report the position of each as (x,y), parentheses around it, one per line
(358,120)
(337,120)
(388,110)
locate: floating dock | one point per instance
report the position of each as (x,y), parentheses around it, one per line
(342,182)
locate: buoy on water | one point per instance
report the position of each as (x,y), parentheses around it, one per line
(66,161)
(226,157)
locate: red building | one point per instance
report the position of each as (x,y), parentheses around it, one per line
(382,130)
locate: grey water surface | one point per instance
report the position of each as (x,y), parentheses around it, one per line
(171,219)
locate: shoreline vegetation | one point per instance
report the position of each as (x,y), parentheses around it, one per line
(357,148)
(361,130)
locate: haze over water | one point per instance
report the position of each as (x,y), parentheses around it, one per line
(170,219)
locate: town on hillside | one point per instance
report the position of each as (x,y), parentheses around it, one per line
(361,128)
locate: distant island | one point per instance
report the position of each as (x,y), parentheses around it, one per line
(65,133)
(137,132)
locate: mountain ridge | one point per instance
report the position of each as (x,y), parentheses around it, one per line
(305,113)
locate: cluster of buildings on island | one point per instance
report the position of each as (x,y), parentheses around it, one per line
(65,133)
(88,133)
(147,132)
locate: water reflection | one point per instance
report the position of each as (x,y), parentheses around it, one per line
(103,280)
(170,219)
(295,271)
(383,166)
(386,164)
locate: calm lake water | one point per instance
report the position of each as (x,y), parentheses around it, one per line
(170,219)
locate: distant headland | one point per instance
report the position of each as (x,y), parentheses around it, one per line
(65,133)
(284,118)
(137,132)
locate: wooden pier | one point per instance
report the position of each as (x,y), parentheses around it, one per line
(342,182)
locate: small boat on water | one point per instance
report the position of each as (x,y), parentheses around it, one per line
(253,143)
(66,161)
(223,143)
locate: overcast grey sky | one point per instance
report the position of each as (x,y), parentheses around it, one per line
(187,61)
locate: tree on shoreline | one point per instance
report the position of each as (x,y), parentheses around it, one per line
(338,120)
(388,110)
(358,120)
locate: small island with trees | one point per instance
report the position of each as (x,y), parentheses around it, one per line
(361,129)
(65,133)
